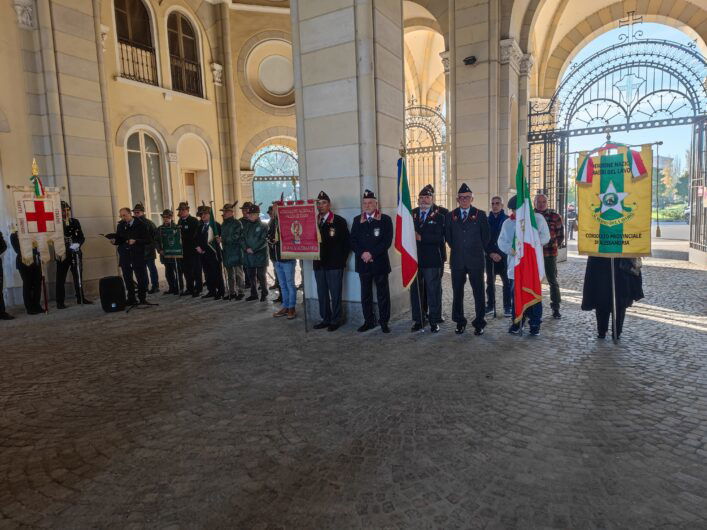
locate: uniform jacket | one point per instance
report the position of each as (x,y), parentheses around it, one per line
(189,227)
(73,234)
(132,253)
(495,224)
(374,236)
(231,236)
(557,231)
(467,239)
(508,231)
(3,248)
(255,236)
(443,212)
(274,240)
(15,242)
(150,248)
(596,293)
(202,239)
(158,239)
(432,232)
(335,245)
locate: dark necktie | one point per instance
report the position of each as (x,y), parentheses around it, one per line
(463,215)
(370,219)
(424,216)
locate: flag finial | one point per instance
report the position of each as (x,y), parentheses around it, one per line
(35,168)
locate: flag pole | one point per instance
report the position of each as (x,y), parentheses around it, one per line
(614,331)
(44,287)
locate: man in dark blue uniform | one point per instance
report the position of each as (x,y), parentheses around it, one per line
(191,264)
(371,237)
(429,232)
(31,277)
(334,252)
(74,240)
(131,236)
(467,233)
(496,261)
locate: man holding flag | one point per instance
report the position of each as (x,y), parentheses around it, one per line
(522,238)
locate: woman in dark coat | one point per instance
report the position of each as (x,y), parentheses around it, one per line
(597,289)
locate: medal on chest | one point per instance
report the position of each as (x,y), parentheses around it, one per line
(376,231)
(332,231)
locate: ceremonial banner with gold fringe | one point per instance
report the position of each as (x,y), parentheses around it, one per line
(614,201)
(39,223)
(298,232)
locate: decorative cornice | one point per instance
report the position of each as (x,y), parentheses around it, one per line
(445,60)
(511,53)
(24,9)
(253,8)
(217,72)
(526,64)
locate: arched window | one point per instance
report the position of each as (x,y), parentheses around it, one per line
(276,174)
(145,174)
(183,55)
(138,60)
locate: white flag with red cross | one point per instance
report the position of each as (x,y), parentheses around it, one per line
(39,222)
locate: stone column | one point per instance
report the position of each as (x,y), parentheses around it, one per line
(348,62)
(510,60)
(526,66)
(451,188)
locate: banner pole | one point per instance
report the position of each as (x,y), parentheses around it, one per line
(304,299)
(79,274)
(493,285)
(614,331)
(44,287)
(419,301)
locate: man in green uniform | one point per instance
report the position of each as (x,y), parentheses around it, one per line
(255,253)
(231,236)
(174,279)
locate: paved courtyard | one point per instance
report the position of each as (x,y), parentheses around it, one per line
(211,414)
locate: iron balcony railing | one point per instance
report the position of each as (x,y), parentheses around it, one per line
(138,62)
(186,76)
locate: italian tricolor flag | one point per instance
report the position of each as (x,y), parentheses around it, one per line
(405,242)
(527,261)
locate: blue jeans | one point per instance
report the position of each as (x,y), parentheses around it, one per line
(534,313)
(285,271)
(152,269)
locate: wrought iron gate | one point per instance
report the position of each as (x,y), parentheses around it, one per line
(633,85)
(426,149)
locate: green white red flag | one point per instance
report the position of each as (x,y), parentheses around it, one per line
(527,260)
(405,241)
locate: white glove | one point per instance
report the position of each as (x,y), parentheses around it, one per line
(75,247)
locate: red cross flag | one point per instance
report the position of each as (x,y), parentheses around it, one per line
(39,223)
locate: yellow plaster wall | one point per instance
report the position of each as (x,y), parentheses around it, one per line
(168,109)
(251,120)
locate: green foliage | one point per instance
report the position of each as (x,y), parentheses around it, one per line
(674,212)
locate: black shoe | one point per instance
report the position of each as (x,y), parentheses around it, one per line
(61,305)
(209,295)
(556,314)
(274,287)
(218,297)
(460,329)
(507,312)
(385,328)
(366,327)
(602,335)
(195,294)
(143,302)
(489,308)
(478,331)
(251,298)
(514,329)
(239,297)
(168,292)
(228,297)
(434,328)
(154,290)
(535,331)
(34,311)
(6,316)
(417,326)
(131,302)
(333,327)
(264,297)
(321,325)
(185,293)
(441,320)
(278,300)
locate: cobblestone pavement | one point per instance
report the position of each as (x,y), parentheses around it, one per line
(193,416)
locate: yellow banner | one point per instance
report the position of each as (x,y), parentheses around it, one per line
(614,210)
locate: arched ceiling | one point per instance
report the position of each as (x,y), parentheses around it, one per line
(424,72)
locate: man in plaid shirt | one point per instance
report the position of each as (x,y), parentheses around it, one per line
(557,236)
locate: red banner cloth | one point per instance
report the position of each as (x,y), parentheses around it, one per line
(299,235)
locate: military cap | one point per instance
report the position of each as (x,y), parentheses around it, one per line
(167,213)
(464,189)
(323,196)
(203,209)
(246,206)
(427,191)
(368,194)
(139,208)
(227,208)
(183,206)
(65,205)
(254,208)
(513,202)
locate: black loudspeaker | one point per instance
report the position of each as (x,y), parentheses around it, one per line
(112,291)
